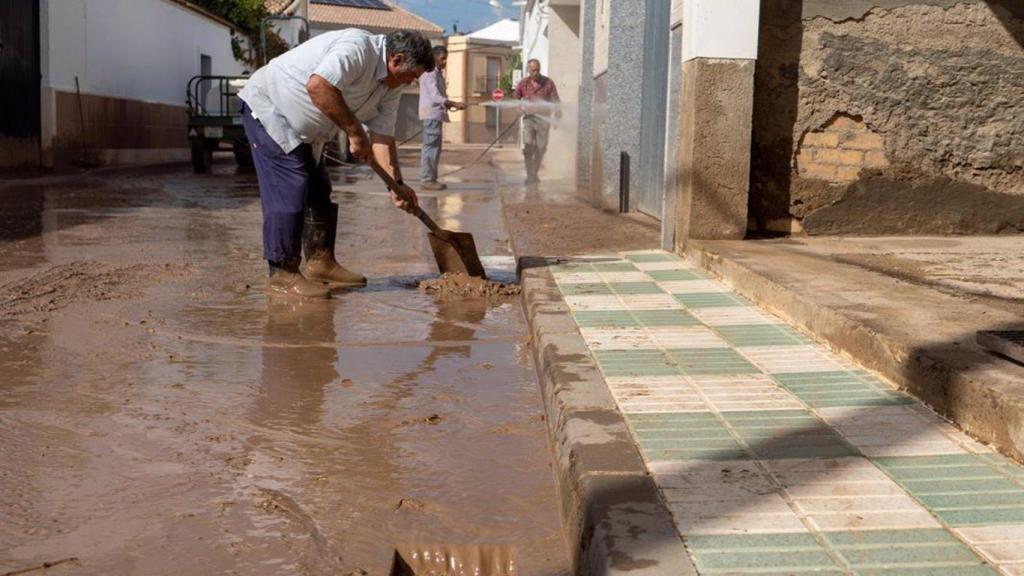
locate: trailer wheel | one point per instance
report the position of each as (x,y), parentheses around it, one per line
(202,156)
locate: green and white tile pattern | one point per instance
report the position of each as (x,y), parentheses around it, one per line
(776,456)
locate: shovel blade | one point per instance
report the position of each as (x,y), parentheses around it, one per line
(455,253)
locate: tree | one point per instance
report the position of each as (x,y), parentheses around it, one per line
(247,16)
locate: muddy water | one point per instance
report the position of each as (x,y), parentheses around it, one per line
(177,421)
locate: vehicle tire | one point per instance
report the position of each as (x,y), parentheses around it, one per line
(243,154)
(202,156)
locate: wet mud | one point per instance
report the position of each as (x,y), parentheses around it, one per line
(163,416)
(451,285)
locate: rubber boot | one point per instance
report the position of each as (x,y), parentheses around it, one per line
(286,279)
(318,237)
(531,171)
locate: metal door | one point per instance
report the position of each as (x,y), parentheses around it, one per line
(19,70)
(654,94)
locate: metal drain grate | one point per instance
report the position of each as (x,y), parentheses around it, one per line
(1009,343)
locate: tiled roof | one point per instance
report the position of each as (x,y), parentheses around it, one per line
(396,18)
(275,6)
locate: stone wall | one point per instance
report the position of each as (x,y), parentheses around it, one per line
(885,100)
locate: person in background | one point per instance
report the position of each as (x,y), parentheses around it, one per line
(434,107)
(539,90)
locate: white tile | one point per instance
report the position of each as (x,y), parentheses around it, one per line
(739,524)
(663,408)
(789,359)
(1004,552)
(617,338)
(894,504)
(625,277)
(687,337)
(577,277)
(1001,533)
(733,315)
(874,520)
(671,265)
(596,302)
(651,302)
(692,286)
(810,490)
(648,381)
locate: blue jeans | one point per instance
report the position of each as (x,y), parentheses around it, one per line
(289,183)
(431,151)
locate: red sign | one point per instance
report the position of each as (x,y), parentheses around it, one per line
(498,95)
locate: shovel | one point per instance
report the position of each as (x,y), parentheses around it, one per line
(455,252)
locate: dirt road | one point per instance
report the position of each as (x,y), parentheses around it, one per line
(159,415)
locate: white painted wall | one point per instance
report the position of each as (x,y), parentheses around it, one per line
(138,49)
(720,29)
(535,34)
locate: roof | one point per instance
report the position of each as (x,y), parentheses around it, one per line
(506,30)
(275,6)
(381,21)
(203,12)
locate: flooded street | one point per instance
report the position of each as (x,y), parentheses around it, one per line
(160,415)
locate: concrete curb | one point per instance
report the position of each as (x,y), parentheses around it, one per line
(954,381)
(613,515)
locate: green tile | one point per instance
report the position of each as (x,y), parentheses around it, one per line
(939,461)
(718,562)
(689,443)
(584,289)
(711,455)
(675,275)
(665,318)
(909,556)
(975,499)
(847,539)
(956,570)
(711,300)
(982,516)
(725,542)
(703,434)
(929,486)
(635,363)
(605,319)
(743,335)
(614,267)
(652,258)
(697,361)
(635,288)
(951,473)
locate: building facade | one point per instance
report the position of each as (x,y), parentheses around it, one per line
(112,77)
(477,65)
(726,118)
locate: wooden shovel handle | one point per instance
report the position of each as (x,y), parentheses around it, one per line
(393,186)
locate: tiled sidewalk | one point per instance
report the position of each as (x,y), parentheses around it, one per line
(774,455)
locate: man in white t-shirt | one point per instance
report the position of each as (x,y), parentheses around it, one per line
(349,80)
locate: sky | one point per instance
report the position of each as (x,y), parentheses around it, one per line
(471,15)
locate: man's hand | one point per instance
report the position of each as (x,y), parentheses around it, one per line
(452,105)
(359,144)
(405,198)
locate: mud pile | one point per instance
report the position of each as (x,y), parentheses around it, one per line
(464,286)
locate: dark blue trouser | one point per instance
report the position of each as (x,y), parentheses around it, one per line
(289,183)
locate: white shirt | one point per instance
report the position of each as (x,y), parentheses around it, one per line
(353,60)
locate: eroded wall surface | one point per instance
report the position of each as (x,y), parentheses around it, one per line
(894,105)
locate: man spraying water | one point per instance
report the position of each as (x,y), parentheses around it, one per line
(540,97)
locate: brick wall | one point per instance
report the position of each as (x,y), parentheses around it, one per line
(839,150)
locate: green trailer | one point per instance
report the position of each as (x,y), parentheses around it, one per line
(214,122)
